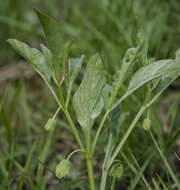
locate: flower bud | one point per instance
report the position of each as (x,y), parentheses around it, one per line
(50,124)
(117,171)
(147,124)
(62,168)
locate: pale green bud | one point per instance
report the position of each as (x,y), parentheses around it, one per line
(117,171)
(62,168)
(146,124)
(50,124)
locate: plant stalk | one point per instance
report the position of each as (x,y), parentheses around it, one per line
(74,130)
(131,127)
(89,160)
(90,173)
(98,132)
(103,179)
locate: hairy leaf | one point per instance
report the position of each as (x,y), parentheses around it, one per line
(152,71)
(34,56)
(87,100)
(74,67)
(37,60)
(53,33)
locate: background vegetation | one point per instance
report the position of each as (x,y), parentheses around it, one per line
(28,154)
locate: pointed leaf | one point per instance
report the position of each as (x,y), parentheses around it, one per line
(106,93)
(34,56)
(74,67)
(97,108)
(114,118)
(37,60)
(49,60)
(87,97)
(53,33)
(151,72)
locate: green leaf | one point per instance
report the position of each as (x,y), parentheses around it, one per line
(49,60)
(34,56)
(114,118)
(107,90)
(150,72)
(37,60)
(127,63)
(47,54)
(74,67)
(53,34)
(87,100)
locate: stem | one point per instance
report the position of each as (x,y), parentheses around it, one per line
(103,179)
(61,97)
(74,130)
(143,108)
(98,132)
(141,111)
(90,174)
(68,95)
(57,111)
(106,159)
(89,160)
(53,93)
(78,150)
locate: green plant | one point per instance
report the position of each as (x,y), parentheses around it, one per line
(96,102)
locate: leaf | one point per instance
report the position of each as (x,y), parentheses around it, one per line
(74,67)
(150,72)
(37,61)
(53,34)
(87,100)
(97,108)
(114,118)
(107,90)
(34,56)
(49,60)
(47,54)
(128,60)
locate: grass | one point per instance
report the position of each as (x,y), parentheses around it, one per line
(29,155)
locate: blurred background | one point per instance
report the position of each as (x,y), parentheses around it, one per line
(29,154)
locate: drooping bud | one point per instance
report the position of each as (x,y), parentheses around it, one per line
(62,168)
(117,171)
(146,124)
(50,124)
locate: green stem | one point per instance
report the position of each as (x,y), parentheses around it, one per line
(98,132)
(74,130)
(113,96)
(103,179)
(89,160)
(68,95)
(57,111)
(106,159)
(105,170)
(78,150)
(141,111)
(90,174)
(61,97)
